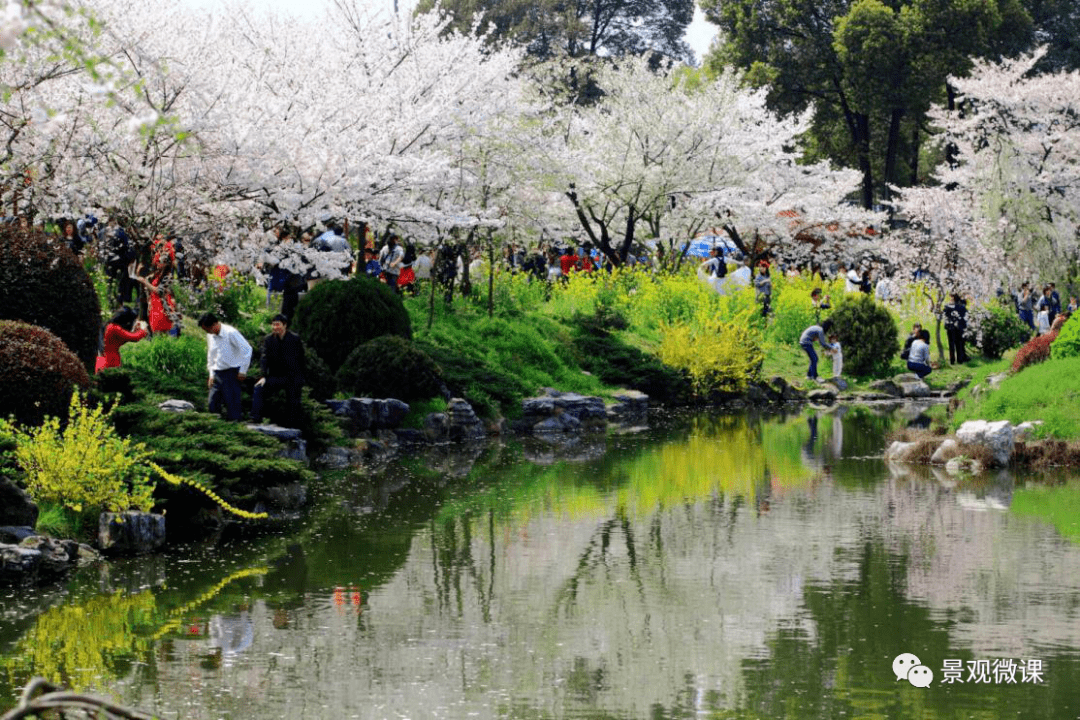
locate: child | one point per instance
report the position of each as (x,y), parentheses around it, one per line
(837,355)
(1042,321)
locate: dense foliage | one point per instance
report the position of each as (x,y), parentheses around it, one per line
(83,464)
(867,333)
(1035,350)
(390,367)
(999,329)
(1067,344)
(622,365)
(37,373)
(43,283)
(722,357)
(336,317)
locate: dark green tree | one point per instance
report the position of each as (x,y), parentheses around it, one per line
(577,27)
(870,68)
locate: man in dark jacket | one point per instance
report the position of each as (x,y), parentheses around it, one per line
(282,365)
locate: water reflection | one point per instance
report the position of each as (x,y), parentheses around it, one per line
(723,567)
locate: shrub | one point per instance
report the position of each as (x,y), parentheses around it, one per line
(336,317)
(792,309)
(390,366)
(997,329)
(868,334)
(724,357)
(43,283)
(226,457)
(1036,350)
(490,389)
(1068,341)
(617,363)
(168,366)
(85,465)
(37,373)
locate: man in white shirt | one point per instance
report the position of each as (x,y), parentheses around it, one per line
(228,356)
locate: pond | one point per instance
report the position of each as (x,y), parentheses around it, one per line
(716,567)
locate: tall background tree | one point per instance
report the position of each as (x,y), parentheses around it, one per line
(869,68)
(577,28)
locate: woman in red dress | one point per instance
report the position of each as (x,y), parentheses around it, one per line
(161,305)
(118,331)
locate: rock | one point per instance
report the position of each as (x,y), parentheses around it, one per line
(276,431)
(295,445)
(1024,429)
(902,378)
(16,507)
(994,381)
(18,565)
(822,396)
(15,534)
(436,427)
(995,436)
(286,497)
(176,406)
(131,533)
(410,436)
(787,392)
(563,423)
(562,412)
(915,389)
(885,387)
(390,413)
(953,388)
(838,382)
(338,458)
(86,555)
(961,465)
(55,557)
(756,397)
(630,406)
(946,451)
(902,452)
(462,422)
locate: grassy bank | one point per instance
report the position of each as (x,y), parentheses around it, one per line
(1048,391)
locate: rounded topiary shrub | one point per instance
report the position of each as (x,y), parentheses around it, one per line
(37,373)
(998,328)
(337,316)
(43,283)
(867,333)
(390,367)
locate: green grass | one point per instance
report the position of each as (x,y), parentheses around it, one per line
(1059,505)
(60,522)
(1048,391)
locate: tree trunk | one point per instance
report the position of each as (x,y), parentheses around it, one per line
(491,275)
(892,149)
(862,125)
(915,156)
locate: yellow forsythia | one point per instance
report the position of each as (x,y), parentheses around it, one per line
(85,464)
(716,355)
(177,480)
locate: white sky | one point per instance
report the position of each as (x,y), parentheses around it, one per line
(699,34)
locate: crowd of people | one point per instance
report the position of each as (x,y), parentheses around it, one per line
(397,263)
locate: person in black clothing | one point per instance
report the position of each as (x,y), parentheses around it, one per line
(916,329)
(955,325)
(282,363)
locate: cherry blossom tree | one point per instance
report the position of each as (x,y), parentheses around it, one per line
(669,156)
(1016,156)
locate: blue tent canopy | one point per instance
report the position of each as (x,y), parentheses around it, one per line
(700,246)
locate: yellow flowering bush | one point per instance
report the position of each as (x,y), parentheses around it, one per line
(717,355)
(83,464)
